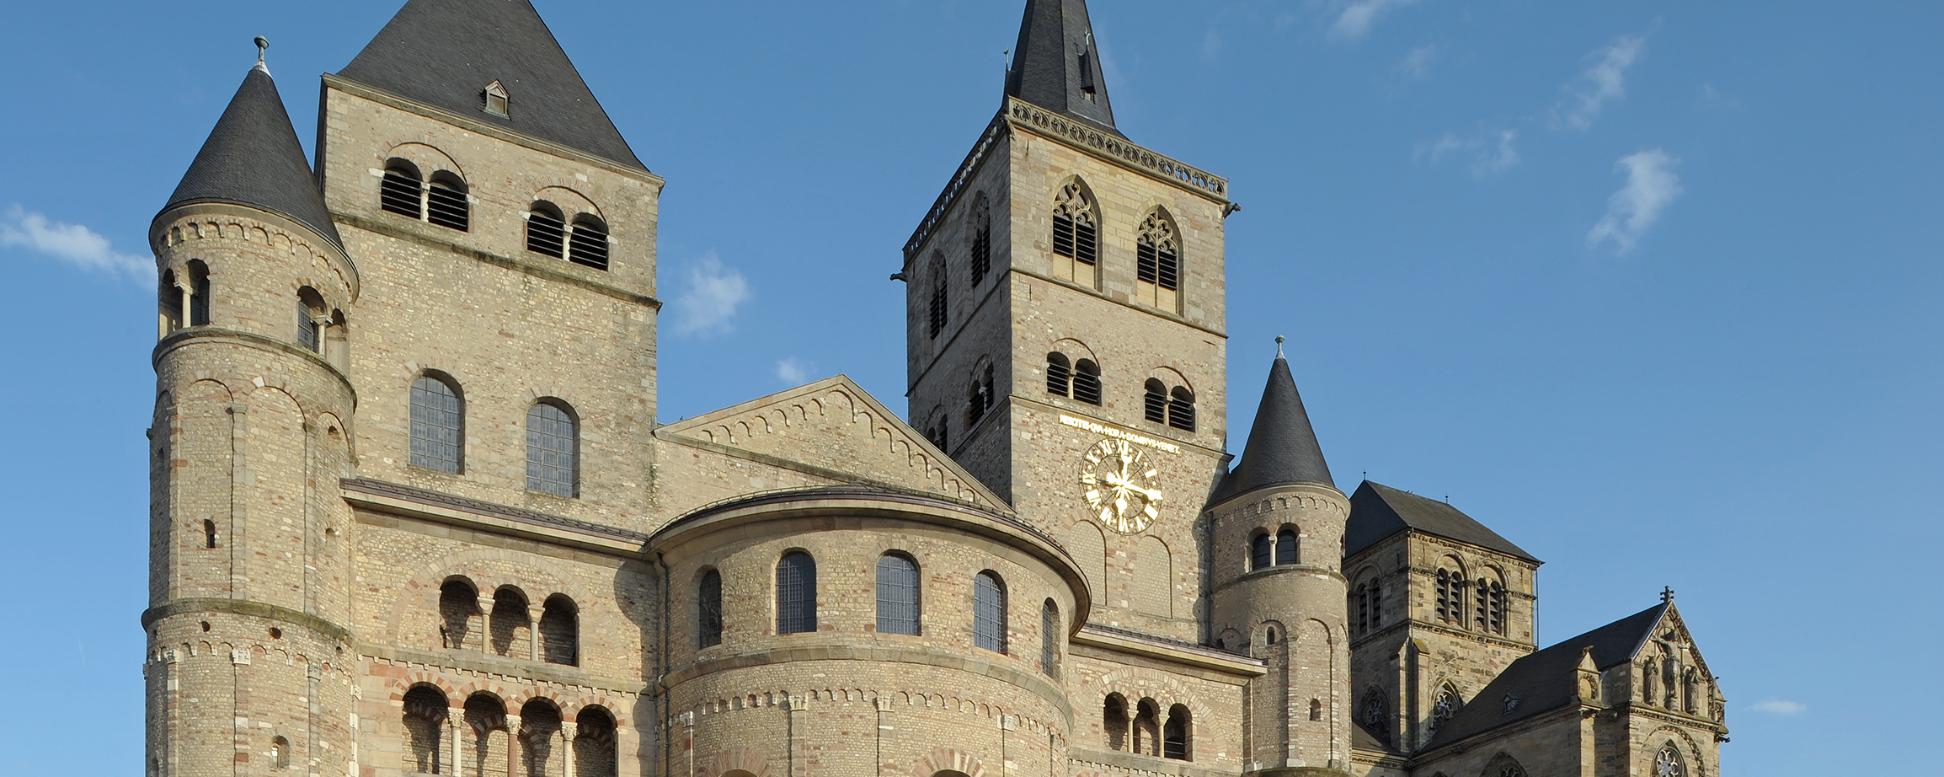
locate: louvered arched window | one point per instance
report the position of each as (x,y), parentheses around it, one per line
(587,244)
(935,311)
(546,230)
(1286,546)
(989,612)
(1059,375)
(708,609)
(1076,235)
(1154,401)
(979,395)
(438,424)
(981,239)
(446,203)
(898,594)
(796,593)
(402,189)
(1086,381)
(1157,263)
(553,449)
(1181,409)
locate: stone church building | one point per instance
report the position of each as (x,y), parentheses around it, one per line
(395,531)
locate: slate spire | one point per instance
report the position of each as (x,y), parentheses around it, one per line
(444,53)
(1056,64)
(1282,447)
(253,158)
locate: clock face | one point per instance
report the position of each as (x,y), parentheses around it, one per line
(1120,486)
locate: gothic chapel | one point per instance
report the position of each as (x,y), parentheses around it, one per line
(390,542)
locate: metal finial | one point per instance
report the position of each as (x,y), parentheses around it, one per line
(1279,345)
(1667,594)
(263,48)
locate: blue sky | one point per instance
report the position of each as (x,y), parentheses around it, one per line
(1651,288)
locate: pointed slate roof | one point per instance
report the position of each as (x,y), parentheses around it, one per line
(1282,447)
(1378,511)
(1545,680)
(1056,64)
(443,53)
(253,158)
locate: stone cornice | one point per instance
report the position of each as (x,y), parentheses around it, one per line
(536,269)
(1130,642)
(212,333)
(1024,115)
(395,499)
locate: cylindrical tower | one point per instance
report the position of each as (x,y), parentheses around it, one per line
(249,545)
(1277,523)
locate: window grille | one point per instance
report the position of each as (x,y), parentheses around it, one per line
(1168,275)
(445,202)
(708,598)
(588,243)
(1086,243)
(1059,375)
(546,230)
(400,191)
(1260,552)
(1050,639)
(796,593)
(898,600)
(438,425)
(1154,402)
(1181,410)
(1145,261)
(989,613)
(1086,382)
(553,450)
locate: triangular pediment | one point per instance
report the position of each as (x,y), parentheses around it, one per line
(837,430)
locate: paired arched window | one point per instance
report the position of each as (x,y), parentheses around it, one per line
(708,609)
(1368,601)
(981,239)
(1157,263)
(898,594)
(935,306)
(1073,379)
(560,631)
(1172,406)
(1451,587)
(587,244)
(425,714)
(989,612)
(553,449)
(1177,736)
(1076,235)
(402,189)
(1261,551)
(446,203)
(443,201)
(438,424)
(1286,546)
(1669,762)
(546,230)
(1050,636)
(979,395)
(796,593)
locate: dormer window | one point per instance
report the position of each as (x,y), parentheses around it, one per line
(496,100)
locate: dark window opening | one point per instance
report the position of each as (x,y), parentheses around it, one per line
(546,230)
(1086,382)
(446,204)
(1181,410)
(1154,402)
(708,601)
(588,243)
(1261,552)
(1286,546)
(401,190)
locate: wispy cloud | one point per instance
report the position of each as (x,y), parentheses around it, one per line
(1418,61)
(709,296)
(1603,81)
(793,371)
(72,244)
(1488,153)
(1356,17)
(1211,44)
(1651,186)
(1783,708)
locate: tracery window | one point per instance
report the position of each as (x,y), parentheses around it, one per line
(1375,715)
(1076,235)
(981,239)
(1505,766)
(989,612)
(1669,762)
(1157,263)
(1445,707)
(796,593)
(438,424)
(553,449)
(898,594)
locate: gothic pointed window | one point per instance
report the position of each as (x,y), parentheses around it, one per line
(438,424)
(1375,715)
(553,449)
(1504,766)
(897,594)
(1157,263)
(1261,551)
(1445,707)
(796,593)
(1286,546)
(446,202)
(989,612)
(546,230)
(1059,375)
(981,239)
(587,244)
(935,306)
(1086,381)
(1076,235)
(402,189)
(1669,763)
(708,609)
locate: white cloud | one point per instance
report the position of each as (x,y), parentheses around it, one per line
(74,244)
(1651,186)
(1780,707)
(793,371)
(1489,153)
(1604,81)
(709,296)
(1358,16)
(1417,62)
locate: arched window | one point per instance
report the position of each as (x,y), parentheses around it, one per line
(1059,375)
(1316,709)
(898,594)
(279,754)
(796,593)
(486,722)
(553,450)
(1444,601)
(935,307)
(168,303)
(546,230)
(560,631)
(1445,707)
(446,203)
(1669,763)
(979,396)
(595,754)
(539,735)
(402,190)
(1375,715)
(209,534)
(1157,263)
(1286,546)
(310,320)
(1076,235)
(1086,381)
(1178,736)
(981,239)
(459,617)
(1113,721)
(1261,551)
(1498,607)
(425,723)
(588,243)
(937,430)
(989,612)
(1147,727)
(1050,636)
(438,424)
(708,609)
(1376,602)
(509,625)
(198,293)
(1504,766)
(1154,401)
(1181,409)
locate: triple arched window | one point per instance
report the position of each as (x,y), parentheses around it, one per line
(1172,406)
(1074,379)
(989,612)
(1145,733)
(553,449)
(438,424)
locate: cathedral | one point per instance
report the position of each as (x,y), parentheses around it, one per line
(395,531)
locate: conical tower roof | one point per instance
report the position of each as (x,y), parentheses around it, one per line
(253,158)
(1282,448)
(1056,64)
(444,53)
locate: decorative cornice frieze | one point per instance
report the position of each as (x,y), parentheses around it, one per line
(1106,144)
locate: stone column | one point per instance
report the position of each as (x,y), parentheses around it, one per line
(568,729)
(457,725)
(533,630)
(485,623)
(513,747)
